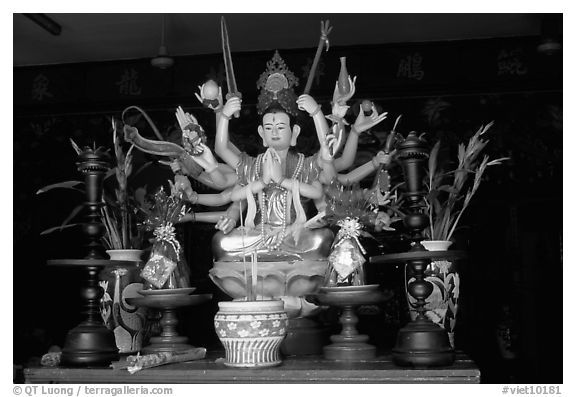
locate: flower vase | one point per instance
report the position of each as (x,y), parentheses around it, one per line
(251,332)
(120,282)
(442,304)
(343,82)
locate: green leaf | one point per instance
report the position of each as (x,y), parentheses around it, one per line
(447,188)
(461,153)
(110,172)
(142,168)
(76,147)
(65,185)
(432,195)
(58,228)
(73,213)
(433,159)
(437,207)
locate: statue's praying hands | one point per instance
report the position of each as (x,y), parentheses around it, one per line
(275,164)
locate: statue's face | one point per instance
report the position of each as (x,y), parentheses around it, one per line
(276,131)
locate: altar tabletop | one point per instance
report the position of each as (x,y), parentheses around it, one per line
(305,369)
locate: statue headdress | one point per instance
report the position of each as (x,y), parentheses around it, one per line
(276,87)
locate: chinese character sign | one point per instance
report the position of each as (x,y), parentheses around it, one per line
(128,83)
(511,63)
(40,88)
(410,67)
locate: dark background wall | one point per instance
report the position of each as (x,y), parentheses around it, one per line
(513,276)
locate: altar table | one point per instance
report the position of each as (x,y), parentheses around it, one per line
(303,369)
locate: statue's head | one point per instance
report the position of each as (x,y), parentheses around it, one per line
(277,129)
(277,105)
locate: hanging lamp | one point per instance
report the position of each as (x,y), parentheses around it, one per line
(162,60)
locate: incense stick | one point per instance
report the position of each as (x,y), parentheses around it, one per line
(254,272)
(249,294)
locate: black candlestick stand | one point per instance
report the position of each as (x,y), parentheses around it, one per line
(420,342)
(91,343)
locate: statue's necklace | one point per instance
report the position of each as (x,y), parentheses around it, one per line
(274,243)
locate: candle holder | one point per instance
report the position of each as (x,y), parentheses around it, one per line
(91,343)
(93,164)
(169,340)
(420,343)
(349,345)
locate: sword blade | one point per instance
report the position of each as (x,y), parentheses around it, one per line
(230,78)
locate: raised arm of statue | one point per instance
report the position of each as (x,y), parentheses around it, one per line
(362,123)
(172,150)
(307,103)
(210,95)
(224,220)
(222,147)
(182,185)
(219,175)
(339,107)
(357,174)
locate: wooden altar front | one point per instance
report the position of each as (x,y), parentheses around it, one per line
(305,369)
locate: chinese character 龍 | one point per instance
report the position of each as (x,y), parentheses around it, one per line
(128,84)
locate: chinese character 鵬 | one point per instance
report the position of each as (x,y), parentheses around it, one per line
(410,67)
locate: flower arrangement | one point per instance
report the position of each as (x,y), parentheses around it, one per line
(121,209)
(450,192)
(349,208)
(162,270)
(350,202)
(120,214)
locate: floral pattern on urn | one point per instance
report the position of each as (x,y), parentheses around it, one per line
(250,325)
(251,332)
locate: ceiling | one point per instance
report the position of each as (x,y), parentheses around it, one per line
(103,37)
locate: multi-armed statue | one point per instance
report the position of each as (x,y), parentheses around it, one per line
(273,195)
